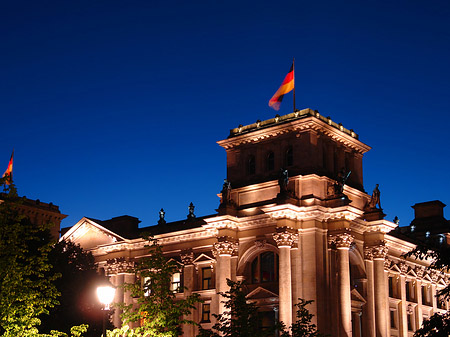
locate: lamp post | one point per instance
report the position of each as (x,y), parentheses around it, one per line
(105,295)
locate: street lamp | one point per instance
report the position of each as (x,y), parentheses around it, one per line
(105,295)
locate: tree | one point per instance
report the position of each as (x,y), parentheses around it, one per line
(158,310)
(241,319)
(26,280)
(439,254)
(77,285)
(303,326)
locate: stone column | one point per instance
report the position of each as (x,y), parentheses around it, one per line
(379,254)
(419,271)
(187,258)
(402,317)
(223,249)
(343,242)
(119,271)
(284,239)
(117,280)
(369,310)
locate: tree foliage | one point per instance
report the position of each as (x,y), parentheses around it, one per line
(77,285)
(438,254)
(158,310)
(241,318)
(26,281)
(302,327)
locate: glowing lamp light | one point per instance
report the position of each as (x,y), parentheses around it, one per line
(105,295)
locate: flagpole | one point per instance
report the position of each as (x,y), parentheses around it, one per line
(293,69)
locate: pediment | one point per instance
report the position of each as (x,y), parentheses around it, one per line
(357,297)
(260,293)
(203,258)
(89,234)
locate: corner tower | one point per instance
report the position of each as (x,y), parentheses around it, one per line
(304,143)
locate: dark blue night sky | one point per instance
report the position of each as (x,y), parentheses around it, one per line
(115,107)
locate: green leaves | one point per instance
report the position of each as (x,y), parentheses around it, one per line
(241,317)
(26,283)
(158,310)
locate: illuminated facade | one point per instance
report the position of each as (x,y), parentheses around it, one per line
(294,222)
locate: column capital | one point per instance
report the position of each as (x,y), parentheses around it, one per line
(340,239)
(368,254)
(187,257)
(380,251)
(343,240)
(284,237)
(225,246)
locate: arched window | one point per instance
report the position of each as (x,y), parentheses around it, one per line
(264,268)
(270,161)
(289,157)
(251,164)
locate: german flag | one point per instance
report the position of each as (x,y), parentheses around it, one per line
(286,86)
(8,173)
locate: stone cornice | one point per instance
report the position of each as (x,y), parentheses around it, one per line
(383,226)
(305,120)
(289,211)
(222,222)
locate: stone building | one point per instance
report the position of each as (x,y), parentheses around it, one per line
(294,221)
(40,213)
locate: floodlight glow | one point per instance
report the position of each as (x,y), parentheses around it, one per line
(105,295)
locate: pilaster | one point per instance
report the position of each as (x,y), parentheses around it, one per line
(369,310)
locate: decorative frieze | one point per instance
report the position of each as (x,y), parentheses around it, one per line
(118,265)
(284,237)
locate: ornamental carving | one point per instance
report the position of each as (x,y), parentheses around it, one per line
(403,267)
(434,276)
(187,257)
(118,265)
(225,246)
(343,240)
(284,238)
(387,264)
(420,271)
(380,251)
(260,243)
(368,253)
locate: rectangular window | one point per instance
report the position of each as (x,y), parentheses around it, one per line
(440,301)
(393,320)
(206,278)
(206,313)
(146,286)
(391,287)
(410,322)
(408,290)
(176,283)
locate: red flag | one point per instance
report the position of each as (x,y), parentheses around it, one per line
(286,86)
(8,173)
